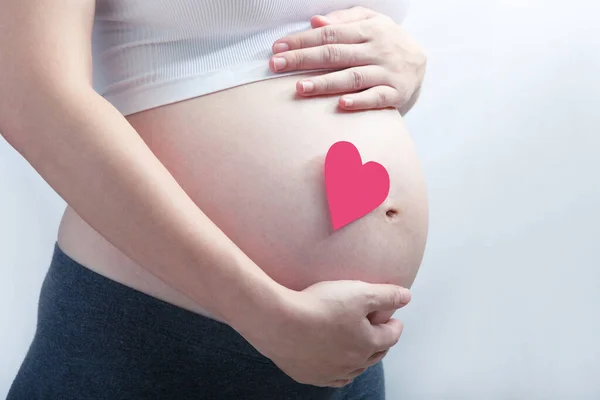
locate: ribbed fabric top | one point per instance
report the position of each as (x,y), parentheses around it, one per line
(148,53)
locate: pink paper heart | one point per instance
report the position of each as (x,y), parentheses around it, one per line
(353,189)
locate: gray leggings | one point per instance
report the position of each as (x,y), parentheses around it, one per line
(97,339)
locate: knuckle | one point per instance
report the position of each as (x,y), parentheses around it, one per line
(298,58)
(387,52)
(333,53)
(381,100)
(396,295)
(377,28)
(298,42)
(376,345)
(328,34)
(368,29)
(362,33)
(371,299)
(358,79)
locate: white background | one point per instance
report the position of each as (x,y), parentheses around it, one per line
(506,303)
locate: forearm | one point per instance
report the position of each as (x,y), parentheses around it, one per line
(92,157)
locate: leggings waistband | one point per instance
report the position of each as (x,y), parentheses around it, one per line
(102,304)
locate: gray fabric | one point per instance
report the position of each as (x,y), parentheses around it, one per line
(97,339)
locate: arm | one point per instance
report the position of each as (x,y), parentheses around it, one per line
(90,155)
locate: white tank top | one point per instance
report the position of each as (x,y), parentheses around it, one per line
(148,53)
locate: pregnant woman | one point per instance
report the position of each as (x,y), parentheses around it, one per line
(196,257)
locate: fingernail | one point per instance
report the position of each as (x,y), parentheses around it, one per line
(281,47)
(347,101)
(324,19)
(307,86)
(405,293)
(279,63)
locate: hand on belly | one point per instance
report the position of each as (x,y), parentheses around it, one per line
(252,158)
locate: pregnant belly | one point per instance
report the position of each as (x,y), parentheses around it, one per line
(252,158)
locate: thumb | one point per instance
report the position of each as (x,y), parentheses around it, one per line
(385,297)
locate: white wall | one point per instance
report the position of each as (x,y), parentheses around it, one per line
(506,303)
(29,215)
(507,127)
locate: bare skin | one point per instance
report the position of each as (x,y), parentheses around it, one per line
(147,210)
(224,146)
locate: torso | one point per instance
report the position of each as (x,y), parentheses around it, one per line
(252,158)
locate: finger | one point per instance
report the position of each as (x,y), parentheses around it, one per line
(386,297)
(386,335)
(356,373)
(352,14)
(375,97)
(345,81)
(319,21)
(322,57)
(339,383)
(380,317)
(375,358)
(340,34)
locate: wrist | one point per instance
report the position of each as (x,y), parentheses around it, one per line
(255,303)
(267,318)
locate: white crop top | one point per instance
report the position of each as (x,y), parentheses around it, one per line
(148,53)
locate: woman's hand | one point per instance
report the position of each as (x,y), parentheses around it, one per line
(322,336)
(377,57)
